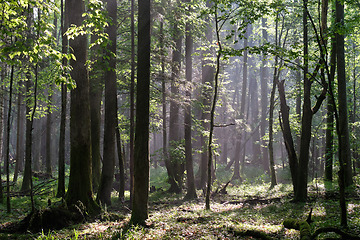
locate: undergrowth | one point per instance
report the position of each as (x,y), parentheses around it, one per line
(249,205)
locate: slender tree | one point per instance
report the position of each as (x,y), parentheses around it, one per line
(264,98)
(48,135)
(7,137)
(132,100)
(191,190)
(20,132)
(64,49)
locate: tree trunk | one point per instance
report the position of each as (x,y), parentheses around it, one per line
(121,167)
(288,139)
(28,139)
(141,149)
(306,120)
(20,134)
(344,142)
(242,105)
(207,77)
(329,148)
(64,49)
(48,134)
(212,112)
(191,190)
(132,102)
(107,174)
(271,130)
(264,99)
(80,184)
(7,138)
(345,175)
(96,90)
(173,165)
(1,129)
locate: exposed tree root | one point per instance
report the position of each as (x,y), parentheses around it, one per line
(254,201)
(305,231)
(343,234)
(223,189)
(44,219)
(55,218)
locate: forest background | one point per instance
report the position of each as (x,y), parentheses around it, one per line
(206,95)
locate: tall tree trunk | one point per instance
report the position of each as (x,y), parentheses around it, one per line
(48,134)
(163,91)
(207,77)
(64,49)
(141,149)
(28,141)
(121,167)
(271,132)
(20,133)
(27,179)
(173,165)
(1,128)
(132,101)
(107,174)
(329,148)
(288,139)
(355,153)
(191,190)
(264,99)
(212,111)
(242,107)
(344,142)
(7,154)
(96,92)
(306,120)
(345,175)
(80,184)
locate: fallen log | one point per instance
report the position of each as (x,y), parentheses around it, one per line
(250,233)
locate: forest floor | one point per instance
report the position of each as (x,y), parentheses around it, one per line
(244,207)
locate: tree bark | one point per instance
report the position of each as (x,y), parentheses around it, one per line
(107,174)
(7,153)
(28,139)
(80,181)
(344,142)
(132,102)
(96,90)
(345,175)
(264,98)
(64,49)
(173,165)
(207,78)
(236,174)
(20,134)
(329,148)
(141,149)
(121,167)
(191,190)
(48,134)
